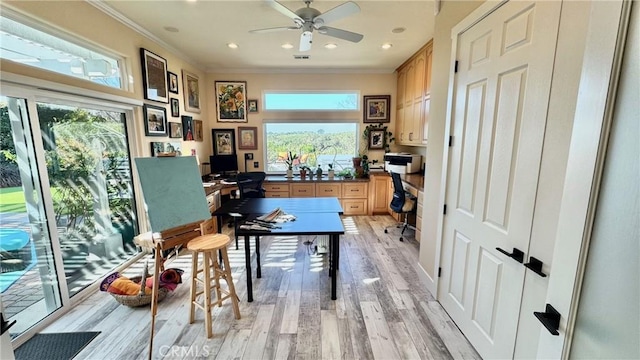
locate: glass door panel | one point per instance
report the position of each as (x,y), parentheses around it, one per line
(90,179)
(28,283)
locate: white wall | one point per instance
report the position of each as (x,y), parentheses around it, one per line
(608,319)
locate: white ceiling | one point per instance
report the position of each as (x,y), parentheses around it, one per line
(207,26)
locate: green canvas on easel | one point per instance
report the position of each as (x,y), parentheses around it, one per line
(172,191)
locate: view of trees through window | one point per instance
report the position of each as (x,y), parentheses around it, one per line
(313,143)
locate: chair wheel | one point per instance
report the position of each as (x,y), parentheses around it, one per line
(401,239)
(386,231)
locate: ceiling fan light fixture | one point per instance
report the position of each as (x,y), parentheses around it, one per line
(330,46)
(287,46)
(232,45)
(386,46)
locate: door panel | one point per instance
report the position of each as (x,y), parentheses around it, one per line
(499,117)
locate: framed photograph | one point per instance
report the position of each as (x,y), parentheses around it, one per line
(154,76)
(224,141)
(175,130)
(197,130)
(165,149)
(376,139)
(175,107)
(253,106)
(376,108)
(187,128)
(155,120)
(191,90)
(172,79)
(230,101)
(248,138)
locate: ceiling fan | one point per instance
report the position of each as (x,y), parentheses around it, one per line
(309,19)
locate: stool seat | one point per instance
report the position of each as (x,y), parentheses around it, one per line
(209,242)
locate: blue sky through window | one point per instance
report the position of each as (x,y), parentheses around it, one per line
(311,101)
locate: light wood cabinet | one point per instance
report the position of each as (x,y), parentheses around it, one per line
(276,190)
(328,190)
(379,194)
(414,87)
(354,206)
(353,190)
(303,190)
(419,216)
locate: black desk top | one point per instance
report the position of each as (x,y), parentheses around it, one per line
(305,224)
(293,206)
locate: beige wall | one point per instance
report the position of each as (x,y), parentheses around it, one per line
(83,21)
(366,84)
(451,13)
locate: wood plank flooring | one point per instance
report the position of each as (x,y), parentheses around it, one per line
(382,310)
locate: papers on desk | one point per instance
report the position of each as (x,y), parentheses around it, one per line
(228,182)
(276,216)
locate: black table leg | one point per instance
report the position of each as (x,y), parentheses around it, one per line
(219,221)
(258,268)
(330,254)
(332,269)
(247,258)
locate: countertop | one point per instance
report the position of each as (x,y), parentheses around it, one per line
(325,178)
(416,180)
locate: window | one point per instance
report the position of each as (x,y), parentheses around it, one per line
(32,47)
(312,100)
(314,144)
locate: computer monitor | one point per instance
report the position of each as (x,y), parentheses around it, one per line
(223,164)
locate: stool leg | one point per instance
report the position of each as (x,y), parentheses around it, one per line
(216,277)
(194,284)
(232,288)
(207,294)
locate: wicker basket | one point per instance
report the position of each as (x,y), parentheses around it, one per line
(139,300)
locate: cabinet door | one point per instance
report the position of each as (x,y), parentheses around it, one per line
(379,194)
(427,74)
(419,76)
(402,78)
(425,119)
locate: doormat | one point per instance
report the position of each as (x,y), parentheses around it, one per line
(54,346)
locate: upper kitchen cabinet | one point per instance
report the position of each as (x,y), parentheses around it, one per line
(414,91)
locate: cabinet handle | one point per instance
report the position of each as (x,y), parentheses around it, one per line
(410,136)
(516,255)
(535,265)
(550,319)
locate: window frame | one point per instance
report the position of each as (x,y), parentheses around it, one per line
(265,103)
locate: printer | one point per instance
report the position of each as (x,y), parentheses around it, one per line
(402,163)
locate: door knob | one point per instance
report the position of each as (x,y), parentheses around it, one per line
(516,254)
(550,319)
(535,265)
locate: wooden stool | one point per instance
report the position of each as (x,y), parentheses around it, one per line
(208,245)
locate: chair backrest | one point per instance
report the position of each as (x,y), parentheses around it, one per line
(397,202)
(250,184)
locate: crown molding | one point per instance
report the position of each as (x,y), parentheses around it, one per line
(102,6)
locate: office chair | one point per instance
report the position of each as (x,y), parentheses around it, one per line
(249,186)
(402,203)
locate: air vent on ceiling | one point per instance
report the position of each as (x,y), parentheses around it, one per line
(302,57)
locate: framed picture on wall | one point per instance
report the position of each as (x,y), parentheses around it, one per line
(155,120)
(376,108)
(248,137)
(376,139)
(224,141)
(253,106)
(173,82)
(154,76)
(187,128)
(231,101)
(191,90)
(197,130)
(175,107)
(175,130)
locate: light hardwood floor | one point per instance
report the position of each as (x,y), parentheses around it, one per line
(382,310)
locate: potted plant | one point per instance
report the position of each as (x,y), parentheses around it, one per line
(319,172)
(345,174)
(303,172)
(289,162)
(331,173)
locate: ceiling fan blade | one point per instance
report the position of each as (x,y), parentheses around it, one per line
(341,34)
(269,30)
(285,11)
(305,41)
(337,13)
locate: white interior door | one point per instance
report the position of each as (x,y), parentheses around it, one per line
(500,100)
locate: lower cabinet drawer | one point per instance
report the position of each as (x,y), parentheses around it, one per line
(328,190)
(276,194)
(278,187)
(303,190)
(354,206)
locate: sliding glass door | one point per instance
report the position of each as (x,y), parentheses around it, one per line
(66,201)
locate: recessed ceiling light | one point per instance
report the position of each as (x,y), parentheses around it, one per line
(386,46)
(192,0)
(232,45)
(331,46)
(287,46)
(398,30)
(171,29)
